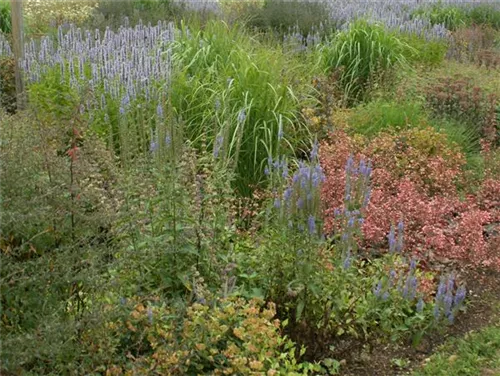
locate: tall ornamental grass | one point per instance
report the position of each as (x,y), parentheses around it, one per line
(364,55)
(227,90)
(230,88)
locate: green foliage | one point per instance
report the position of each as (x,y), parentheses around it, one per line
(366,54)
(372,118)
(5,19)
(475,354)
(175,217)
(282,15)
(231,336)
(232,86)
(425,52)
(459,99)
(485,14)
(452,17)
(7,84)
(464,135)
(40,155)
(112,13)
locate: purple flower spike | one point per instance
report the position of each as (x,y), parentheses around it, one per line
(311,224)
(277,203)
(314,151)
(392,240)
(420,306)
(153,146)
(218,145)
(159,112)
(347,261)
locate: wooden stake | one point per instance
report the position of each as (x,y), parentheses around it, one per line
(18,48)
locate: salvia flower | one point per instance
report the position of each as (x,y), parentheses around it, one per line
(459,296)
(218,145)
(399,243)
(153,146)
(314,150)
(347,260)
(420,305)
(159,111)
(277,203)
(392,240)
(311,223)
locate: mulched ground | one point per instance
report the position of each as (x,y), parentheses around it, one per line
(370,359)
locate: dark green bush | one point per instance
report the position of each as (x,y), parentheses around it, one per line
(5,20)
(112,13)
(283,15)
(7,84)
(58,195)
(486,15)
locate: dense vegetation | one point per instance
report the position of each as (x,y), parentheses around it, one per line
(243,188)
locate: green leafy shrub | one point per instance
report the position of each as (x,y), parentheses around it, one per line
(457,98)
(366,54)
(7,84)
(469,43)
(176,215)
(112,13)
(282,15)
(233,336)
(485,14)
(41,15)
(74,171)
(5,20)
(425,52)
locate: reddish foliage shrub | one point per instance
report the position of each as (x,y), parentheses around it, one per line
(413,179)
(458,98)
(467,43)
(421,155)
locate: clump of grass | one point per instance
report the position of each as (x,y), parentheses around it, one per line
(425,52)
(372,118)
(366,54)
(231,86)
